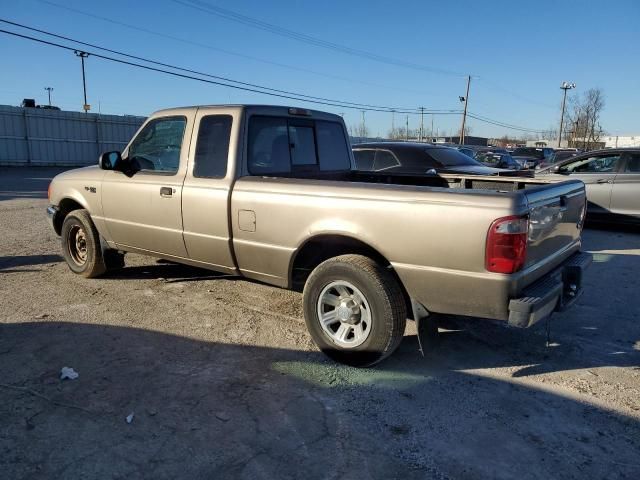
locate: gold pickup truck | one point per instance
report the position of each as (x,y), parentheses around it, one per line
(270,193)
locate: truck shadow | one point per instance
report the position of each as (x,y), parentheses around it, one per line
(171,272)
(242,411)
(8,263)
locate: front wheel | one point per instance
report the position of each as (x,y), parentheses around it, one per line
(81,245)
(355,310)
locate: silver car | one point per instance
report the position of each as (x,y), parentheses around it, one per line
(612,179)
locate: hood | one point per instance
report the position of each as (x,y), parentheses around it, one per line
(90,172)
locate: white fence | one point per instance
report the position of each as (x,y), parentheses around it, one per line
(37,136)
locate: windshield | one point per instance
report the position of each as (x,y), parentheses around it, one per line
(448,157)
(492,159)
(529,152)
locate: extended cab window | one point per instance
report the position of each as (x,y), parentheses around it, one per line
(212,147)
(279,145)
(157,147)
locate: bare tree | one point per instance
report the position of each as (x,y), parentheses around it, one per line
(467,131)
(583,119)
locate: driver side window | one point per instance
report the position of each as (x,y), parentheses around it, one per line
(600,164)
(157,147)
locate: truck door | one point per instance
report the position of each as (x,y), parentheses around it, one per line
(144,210)
(207,189)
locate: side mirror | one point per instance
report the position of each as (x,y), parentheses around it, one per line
(110,160)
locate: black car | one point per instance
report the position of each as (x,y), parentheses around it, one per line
(416,158)
(497,160)
(530,157)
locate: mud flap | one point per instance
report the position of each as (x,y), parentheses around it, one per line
(426,326)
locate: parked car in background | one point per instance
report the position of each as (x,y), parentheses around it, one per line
(473,150)
(530,157)
(497,160)
(612,180)
(416,158)
(558,156)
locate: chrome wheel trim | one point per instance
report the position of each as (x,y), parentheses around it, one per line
(344,314)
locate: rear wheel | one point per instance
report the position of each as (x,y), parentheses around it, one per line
(81,245)
(354,310)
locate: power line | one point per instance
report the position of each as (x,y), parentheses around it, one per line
(221,81)
(270,92)
(502,124)
(222,50)
(304,38)
(483,80)
(162,64)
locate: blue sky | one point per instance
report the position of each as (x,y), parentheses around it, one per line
(518,53)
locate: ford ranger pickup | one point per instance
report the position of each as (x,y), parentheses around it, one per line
(272,193)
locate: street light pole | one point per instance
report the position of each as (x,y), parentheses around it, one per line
(82,56)
(49,90)
(565,86)
(465,99)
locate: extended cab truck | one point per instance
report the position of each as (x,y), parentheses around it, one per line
(270,193)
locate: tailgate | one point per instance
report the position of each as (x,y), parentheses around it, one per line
(556,214)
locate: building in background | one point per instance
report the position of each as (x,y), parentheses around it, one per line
(45,136)
(620,141)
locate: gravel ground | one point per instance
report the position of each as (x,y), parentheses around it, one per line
(224,382)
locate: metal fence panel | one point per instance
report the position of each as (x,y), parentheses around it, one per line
(36,136)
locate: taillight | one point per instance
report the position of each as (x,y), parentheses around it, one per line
(507,244)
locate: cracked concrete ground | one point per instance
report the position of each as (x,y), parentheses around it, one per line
(224,381)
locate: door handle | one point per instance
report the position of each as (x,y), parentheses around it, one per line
(166,191)
(604,180)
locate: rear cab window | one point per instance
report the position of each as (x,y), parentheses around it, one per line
(283,146)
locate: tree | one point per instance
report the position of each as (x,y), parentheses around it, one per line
(358,130)
(467,130)
(583,119)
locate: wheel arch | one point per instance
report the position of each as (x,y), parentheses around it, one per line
(318,248)
(65,206)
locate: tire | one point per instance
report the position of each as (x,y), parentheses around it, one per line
(363,306)
(81,245)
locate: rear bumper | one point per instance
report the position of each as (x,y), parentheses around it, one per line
(556,291)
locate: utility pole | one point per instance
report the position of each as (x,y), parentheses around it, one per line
(363,132)
(432,127)
(86,107)
(465,99)
(393,124)
(565,86)
(49,90)
(407,130)
(421,123)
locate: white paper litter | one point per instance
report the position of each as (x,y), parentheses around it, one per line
(68,372)
(129,418)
